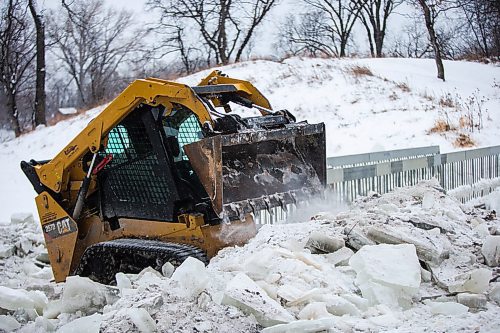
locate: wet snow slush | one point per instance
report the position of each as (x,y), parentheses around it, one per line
(413,260)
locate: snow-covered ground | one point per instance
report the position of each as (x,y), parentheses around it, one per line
(414,260)
(340,269)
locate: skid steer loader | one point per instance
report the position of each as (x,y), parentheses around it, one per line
(160,175)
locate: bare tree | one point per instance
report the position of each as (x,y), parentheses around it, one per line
(326,28)
(225,26)
(92,42)
(374,16)
(431,10)
(307,36)
(483,26)
(412,41)
(40,65)
(17,52)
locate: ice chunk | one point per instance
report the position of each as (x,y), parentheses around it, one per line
(270,289)
(430,248)
(360,302)
(319,325)
(40,301)
(476,301)
(43,257)
(356,238)
(387,274)
(148,279)
(13,299)
(476,281)
(6,250)
(192,277)
(8,324)
(82,294)
(141,319)
(339,306)
(308,259)
(320,243)
(19,218)
(257,265)
(340,257)
(167,270)
(491,250)
(314,310)
(428,200)
(481,231)
(295,295)
(447,308)
(426,275)
(122,281)
(494,293)
(243,293)
(44,325)
(88,324)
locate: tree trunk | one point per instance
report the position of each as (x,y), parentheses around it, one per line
(429,23)
(40,67)
(379,43)
(13,113)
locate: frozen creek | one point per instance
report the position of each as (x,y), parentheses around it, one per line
(413,260)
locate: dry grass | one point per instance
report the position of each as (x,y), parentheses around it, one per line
(403,86)
(359,71)
(465,122)
(440,126)
(463,141)
(447,101)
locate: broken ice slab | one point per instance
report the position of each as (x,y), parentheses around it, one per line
(339,306)
(314,310)
(140,318)
(431,248)
(294,294)
(447,308)
(491,251)
(476,301)
(13,299)
(85,295)
(494,294)
(355,238)
(167,269)
(319,325)
(192,277)
(88,324)
(122,281)
(387,274)
(258,265)
(243,293)
(6,250)
(318,242)
(8,324)
(19,218)
(476,281)
(340,257)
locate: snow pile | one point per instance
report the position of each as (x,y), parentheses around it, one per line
(411,260)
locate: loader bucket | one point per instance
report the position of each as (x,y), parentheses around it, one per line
(250,171)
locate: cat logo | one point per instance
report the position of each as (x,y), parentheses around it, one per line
(59,228)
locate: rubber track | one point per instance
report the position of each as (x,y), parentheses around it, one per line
(102,261)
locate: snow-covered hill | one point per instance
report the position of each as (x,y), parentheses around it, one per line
(367,105)
(300,273)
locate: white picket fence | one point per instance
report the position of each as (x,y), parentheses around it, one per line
(466,174)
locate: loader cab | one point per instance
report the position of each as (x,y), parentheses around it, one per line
(150,176)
